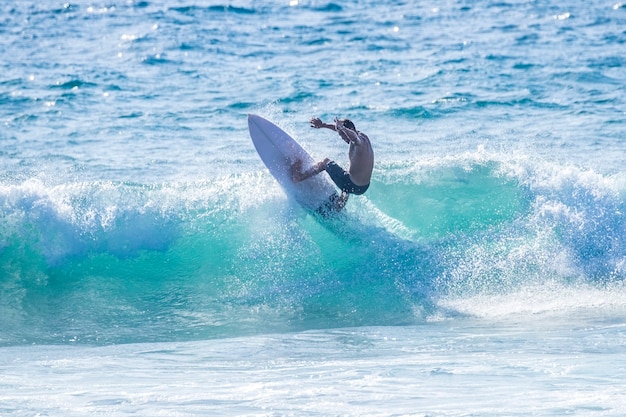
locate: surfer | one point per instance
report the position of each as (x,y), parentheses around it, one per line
(354,181)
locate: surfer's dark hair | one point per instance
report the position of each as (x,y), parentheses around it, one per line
(348,124)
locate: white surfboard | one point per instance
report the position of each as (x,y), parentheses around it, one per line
(279,151)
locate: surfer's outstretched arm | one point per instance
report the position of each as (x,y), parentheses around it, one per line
(317,123)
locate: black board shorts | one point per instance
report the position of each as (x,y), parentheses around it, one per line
(342,179)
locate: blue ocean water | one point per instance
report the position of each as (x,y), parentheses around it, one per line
(149,263)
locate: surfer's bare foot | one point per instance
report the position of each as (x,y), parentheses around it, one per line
(296,171)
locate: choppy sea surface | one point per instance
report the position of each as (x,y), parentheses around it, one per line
(150,264)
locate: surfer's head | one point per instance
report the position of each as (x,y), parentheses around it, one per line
(348,124)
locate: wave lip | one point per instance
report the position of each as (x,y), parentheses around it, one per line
(77,219)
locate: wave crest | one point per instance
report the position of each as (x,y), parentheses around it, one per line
(233,255)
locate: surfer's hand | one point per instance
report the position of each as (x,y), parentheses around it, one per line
(317,123)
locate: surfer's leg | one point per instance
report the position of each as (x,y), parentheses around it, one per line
(298,175)
(333,205)
(342,200)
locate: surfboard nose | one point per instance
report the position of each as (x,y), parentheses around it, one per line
(253,118)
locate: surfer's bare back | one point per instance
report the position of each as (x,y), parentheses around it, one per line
(357,179)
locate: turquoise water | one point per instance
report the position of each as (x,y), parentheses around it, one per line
(137,217)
